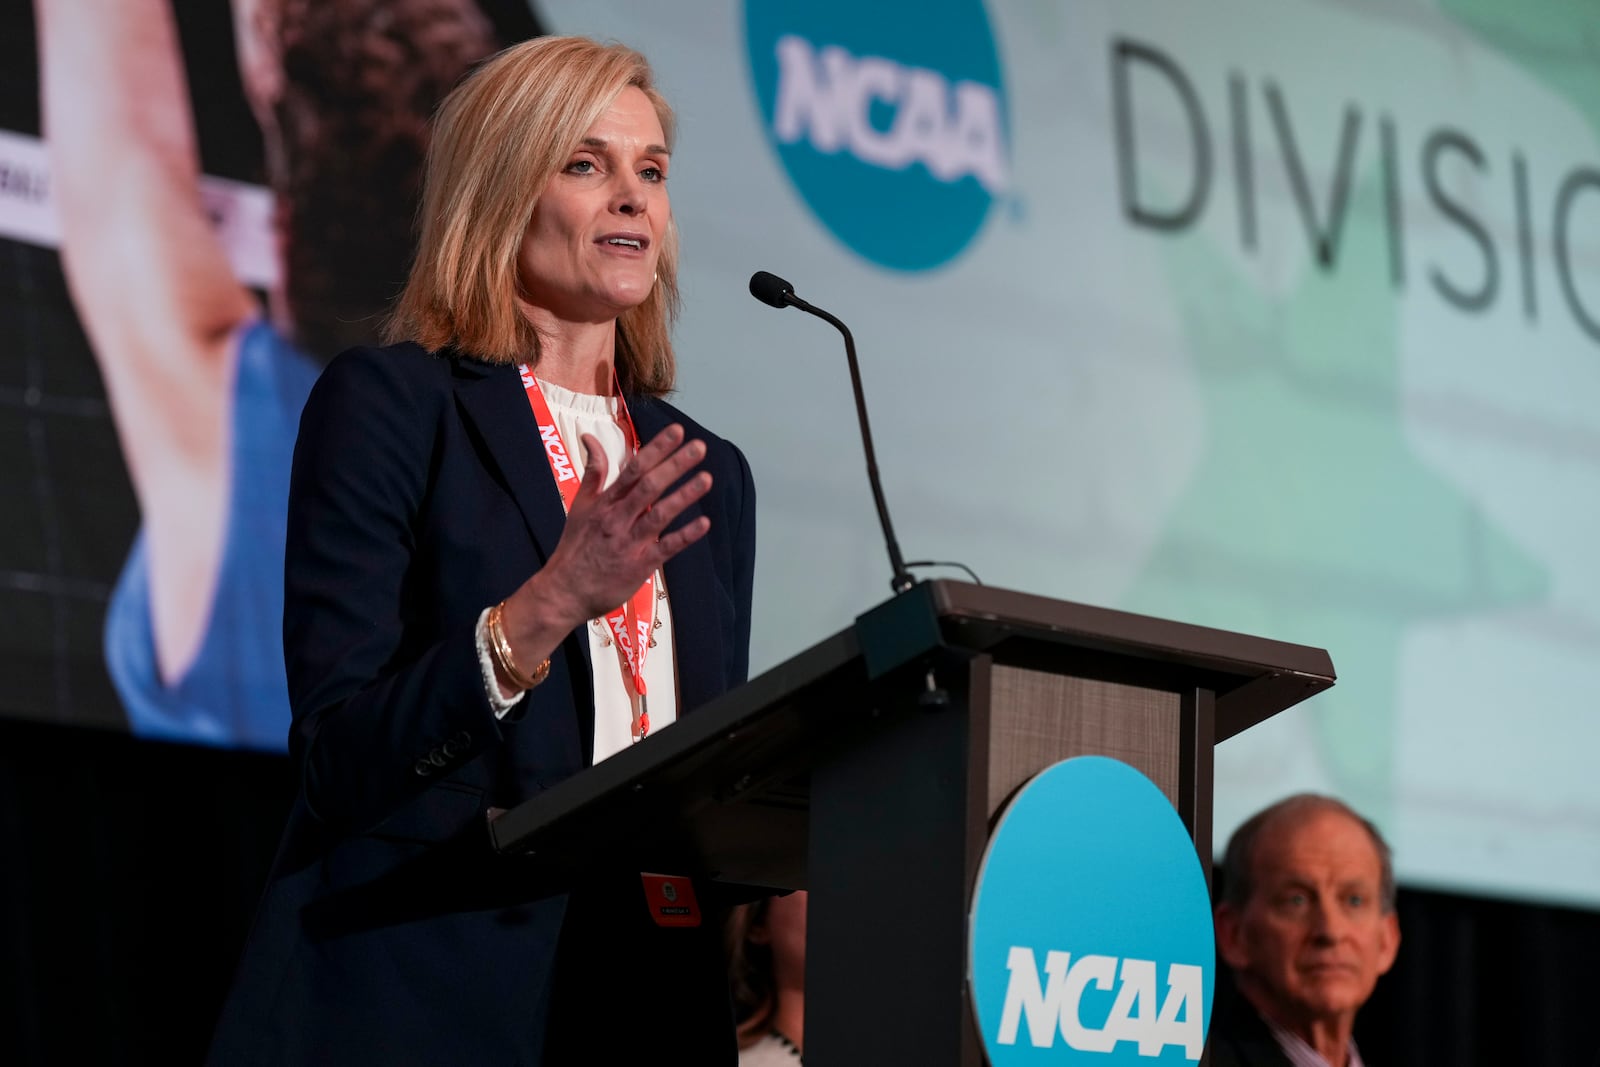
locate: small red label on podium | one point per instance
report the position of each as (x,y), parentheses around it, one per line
(671,900)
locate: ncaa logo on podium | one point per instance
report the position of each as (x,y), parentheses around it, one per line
(1090,937)
(889,118)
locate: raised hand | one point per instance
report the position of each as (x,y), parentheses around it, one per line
(612,541)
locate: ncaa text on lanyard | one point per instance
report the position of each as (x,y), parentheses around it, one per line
(630,624)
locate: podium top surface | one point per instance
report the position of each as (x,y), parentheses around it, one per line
(753,740)
(1254,678)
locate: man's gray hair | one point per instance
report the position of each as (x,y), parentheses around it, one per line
(1237,862)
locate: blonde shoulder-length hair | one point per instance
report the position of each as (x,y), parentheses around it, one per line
(498,139)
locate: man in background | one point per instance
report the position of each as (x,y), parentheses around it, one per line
(1307,923)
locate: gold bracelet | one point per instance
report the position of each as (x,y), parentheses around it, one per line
(500,648)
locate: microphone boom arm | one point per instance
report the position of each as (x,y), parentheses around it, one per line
(902,580)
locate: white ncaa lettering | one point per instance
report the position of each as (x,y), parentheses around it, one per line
(551,436)
(1102,971)
(1043,1007)
(1053,1007)
(619,633)
(826,96)
(1185,993)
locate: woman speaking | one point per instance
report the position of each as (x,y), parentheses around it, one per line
(507,559)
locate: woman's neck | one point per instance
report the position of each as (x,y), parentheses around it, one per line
(577,355)
(789,1019)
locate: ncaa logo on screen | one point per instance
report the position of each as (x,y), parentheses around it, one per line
(890,119)
(1090,936)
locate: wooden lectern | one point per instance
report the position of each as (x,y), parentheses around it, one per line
(868,769)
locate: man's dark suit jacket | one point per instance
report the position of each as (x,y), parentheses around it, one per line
(1239,1036)
(390,933)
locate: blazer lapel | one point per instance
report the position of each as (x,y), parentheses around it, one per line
(495,405)
(691,585)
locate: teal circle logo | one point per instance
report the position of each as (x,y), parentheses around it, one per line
(889,118)
(1090,936)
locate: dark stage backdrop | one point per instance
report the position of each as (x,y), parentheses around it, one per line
(130,870)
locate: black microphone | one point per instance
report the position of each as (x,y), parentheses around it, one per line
(771,289)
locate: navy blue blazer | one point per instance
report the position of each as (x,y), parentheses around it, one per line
(389,931)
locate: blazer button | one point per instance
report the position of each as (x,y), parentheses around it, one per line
(423,768)
(451,749)
(437,758)
(463,739)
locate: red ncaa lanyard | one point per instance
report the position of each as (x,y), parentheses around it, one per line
(630,624)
